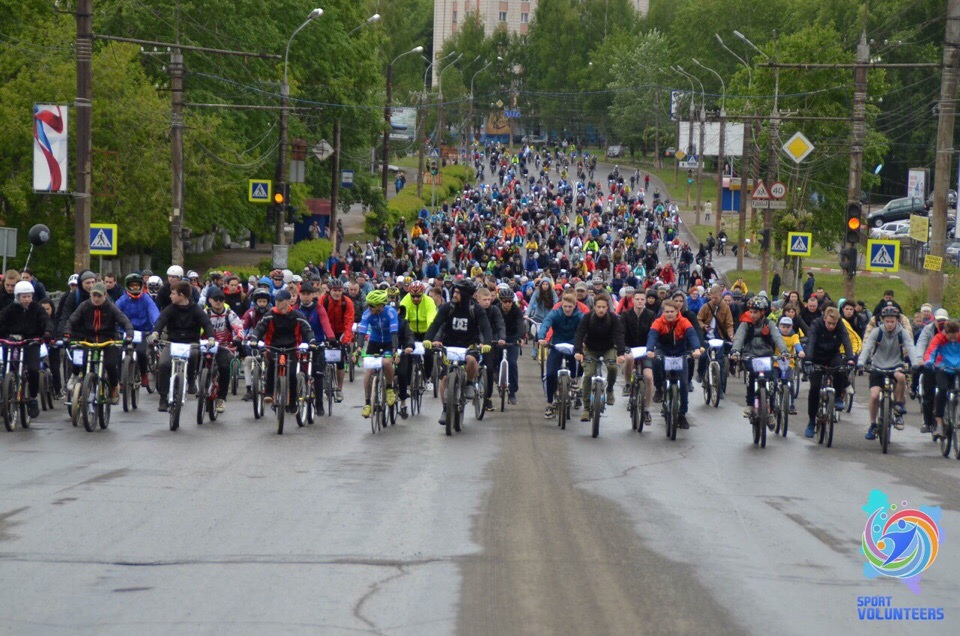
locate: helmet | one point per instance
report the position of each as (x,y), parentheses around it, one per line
(417,288)
(259,293)
(335,283)
(154,283)
(297,279)
(393,293)
(506,294)
(175,270)
(287,276)
(73,279)
(23,287)
(758,302)
(889,310)
(383,285)
(376,297)
(133,278)
(192,274)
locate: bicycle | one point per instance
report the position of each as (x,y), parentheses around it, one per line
(177,391)
(454,359)
(236,366)
(673,367)
(417,386)
(306,398)
(130,375)
(351,363)
(281,381)
(91,396)
(331,356)
(208,383)
(598,393)
(851,390)
(257,381)
(378,391)
(46,393)
(636,403)
(712,381)
(503,379)
(14,377)
(565,387)
(722,247)
(782,396)
(951,423)
(827,415)
(761,377)
(885,415)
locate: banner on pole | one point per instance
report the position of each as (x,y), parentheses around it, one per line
(50,148)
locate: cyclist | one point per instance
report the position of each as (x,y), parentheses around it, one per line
(791,338)
(73,299)
(228,332)
(564,322)
(636,329)
(174,276)
(319,321)
(282,328)
(142,312)
(380,326)
(420,310)
(824,340)
(460,323)
(672,335)
(515,331)
(757,336)
(499,334)
(716,322)
(599,334)
(927,375)
(184,321)
(889,347)
(259,306)
(97,320)
(26,319)
(944,355)
(341,313)
(405,365)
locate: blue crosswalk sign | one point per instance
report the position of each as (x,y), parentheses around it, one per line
(103,239)
(798,243)
(883,256)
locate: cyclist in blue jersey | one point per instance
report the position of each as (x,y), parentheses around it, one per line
(379,329)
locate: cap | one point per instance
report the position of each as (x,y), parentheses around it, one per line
(786,320)
(215,294)
(87,275)
(283,294)
(941,314)
(926,307)
(98,288)
(307,288)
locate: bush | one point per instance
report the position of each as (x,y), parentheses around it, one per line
(243,272)
(316,250)
(407,204)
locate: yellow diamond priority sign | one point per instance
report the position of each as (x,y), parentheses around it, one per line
(798,147)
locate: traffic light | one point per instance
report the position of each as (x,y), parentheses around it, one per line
(765,240)
(278,198)
(852,225)
(848,260)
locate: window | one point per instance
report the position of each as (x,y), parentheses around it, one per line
(524,17)
(503,16)
(454,17)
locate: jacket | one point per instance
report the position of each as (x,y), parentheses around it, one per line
(672,339)
(70,302)
(319,321)
(184,323)
(855,340)
(724,318)
(341,316)
(382,327)
(889,349)
(461,325)
(97,324)
(31,321)
(942,352)
(226,327)
(600,334)
(564,327)
(514,324)
(283,331)
(824,345)
(252,317)
(141,310)
(926,335)
(636,328)
(419,315)
(758,341)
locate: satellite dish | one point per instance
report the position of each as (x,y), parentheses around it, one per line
(39,234)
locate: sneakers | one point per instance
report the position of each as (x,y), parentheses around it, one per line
(658,395)
(115,395)
(367,410)
(793,410)
(268,399)
(443,418)
(391,397)
(871,432)
(647,418)
(549,412)
(748,411)
(841,405)
(899,408)
(811,430)
(585,416)
(512,398)
(163,404)
(338,396)
(428,387)
(403,412)
(898,422)
(683,423)
(33,409)
(470,391)
(926,428)
(488,404)
(220,406)
(938,432)
(248,396)
(626,389)
(611,398)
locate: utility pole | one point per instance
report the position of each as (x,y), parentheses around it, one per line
(945,147)
(282,168)
(773,175)
(700,156)
(421,139)
(335,186)
(386,130)
(657,161)
(720,158)
(744,191)
(176,152)
(84,107)
(858,134)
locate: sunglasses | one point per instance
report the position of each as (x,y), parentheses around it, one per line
(415,296)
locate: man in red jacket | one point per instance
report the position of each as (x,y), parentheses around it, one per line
(341,314)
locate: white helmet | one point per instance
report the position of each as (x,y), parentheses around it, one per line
(155,280)
(23,287)
(192,274)
(287,276)
(175,270)
(297,279)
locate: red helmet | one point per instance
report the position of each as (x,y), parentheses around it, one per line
(416,287)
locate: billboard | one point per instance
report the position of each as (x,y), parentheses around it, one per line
(917,182)
(49,148)
(732,140)
(403,124)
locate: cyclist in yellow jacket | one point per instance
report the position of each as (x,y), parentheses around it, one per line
(420,312)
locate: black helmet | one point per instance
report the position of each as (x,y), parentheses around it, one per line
(259,293)
(133,278)
(890,310)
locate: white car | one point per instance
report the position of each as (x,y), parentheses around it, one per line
(893,229)
(953,251)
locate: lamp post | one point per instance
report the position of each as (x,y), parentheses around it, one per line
(676,163)
(421,116)
(374,18)
(284,108)
(720,150)
(440,94)
(386,118)
(703,118)
(470,116)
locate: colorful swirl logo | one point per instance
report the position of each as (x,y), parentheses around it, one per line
(899,541)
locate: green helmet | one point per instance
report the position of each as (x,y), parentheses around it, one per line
(376,297)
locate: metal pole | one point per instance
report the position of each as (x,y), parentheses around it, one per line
(176,150)
(84,107)
(857,138)
(723,140)
(744,194)
(335,186)
(386,130)
(282,163)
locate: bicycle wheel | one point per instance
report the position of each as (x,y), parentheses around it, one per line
(674,410)
(302,398)
(257,390)
(203,385)
(374,399)
(783,409)
(707,385)
(125,380)
(392,412)
(42,392)
(280,401)
(22,411)
(350,367)
(104,403)
(637,405)
(848,406)
(152,362)
(562,401)
(9,401)
(88,396)
(763,414)
(884,421)
(795,384)
(436,376)
(597,409)
(176,381)
(503,398)
(311,399)
(714,370)
(380,410)
(75,403)
(416,388)
(234,374)
(831,413)
(480,402)
(452,399)
(329,381)
(946,442)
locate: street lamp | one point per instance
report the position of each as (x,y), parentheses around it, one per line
(470,116)
(703,117)
(740,59)
(386,117)
(423,97)
(723,141)
(440,94)
(282,152)
(374,18)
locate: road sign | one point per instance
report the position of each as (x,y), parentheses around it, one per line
(799,243)
(433,179)
(919,228)
(435,153)
(933,263)
(760,192)
(259,190)
(690,161)
(798,147)
(778,190)
(346,178)
(322,150)
(883,256)
(679,155)
(511,113)
(103,239)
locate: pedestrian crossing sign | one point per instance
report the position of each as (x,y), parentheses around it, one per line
(798,243)
(883,256)
(103,239)
(259,190)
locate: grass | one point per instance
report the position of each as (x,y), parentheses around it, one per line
(867,287)
(818,255)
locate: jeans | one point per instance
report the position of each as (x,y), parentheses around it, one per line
(660,380)
(944,382)
(553,365)
(590,360)
(165,366)
(840,382)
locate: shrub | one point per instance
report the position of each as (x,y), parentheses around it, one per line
(243,272)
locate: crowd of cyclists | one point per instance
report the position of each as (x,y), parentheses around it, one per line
(542,253)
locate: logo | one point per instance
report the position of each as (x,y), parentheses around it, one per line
(899,541)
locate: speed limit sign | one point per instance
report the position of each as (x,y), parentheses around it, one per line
(778,190)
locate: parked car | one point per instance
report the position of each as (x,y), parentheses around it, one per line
(889,230)
(614,152)
(897,210)
(953,251)
(951,199)
(669,152)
